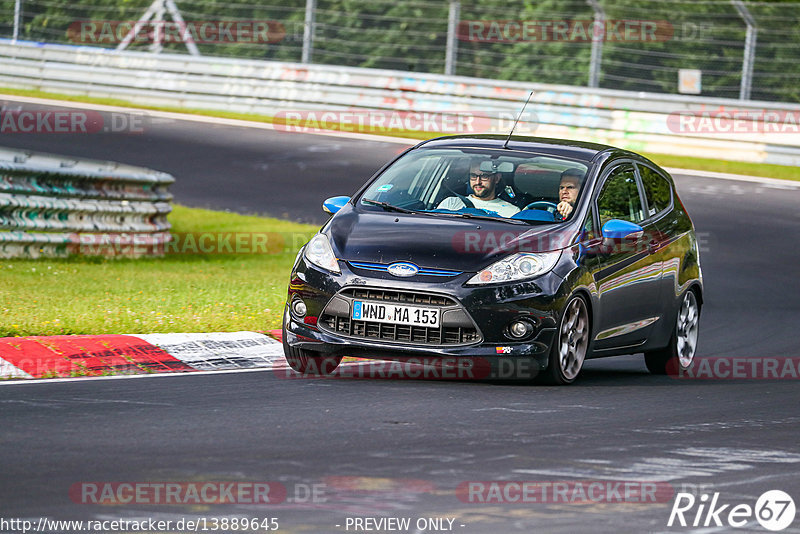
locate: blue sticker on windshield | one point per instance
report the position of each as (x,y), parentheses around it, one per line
(385,187)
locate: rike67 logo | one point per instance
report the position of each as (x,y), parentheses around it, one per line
(774,510)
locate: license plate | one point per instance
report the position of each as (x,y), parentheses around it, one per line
(396,314)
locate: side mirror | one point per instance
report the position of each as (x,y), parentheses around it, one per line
(334,204)
(620,236)
(615,232)
(619,229)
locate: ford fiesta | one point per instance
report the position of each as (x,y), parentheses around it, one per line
(507,250)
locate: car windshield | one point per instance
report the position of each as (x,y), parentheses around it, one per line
(519,187)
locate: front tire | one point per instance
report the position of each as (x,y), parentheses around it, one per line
(677,357)
(570,345)
(308,362)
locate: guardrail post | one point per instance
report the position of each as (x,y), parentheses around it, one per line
(749,49)
(17,16)
(452,38)
(308,31)
(598,27)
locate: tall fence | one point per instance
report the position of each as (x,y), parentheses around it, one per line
(56,206)
(717,48)
(304,96)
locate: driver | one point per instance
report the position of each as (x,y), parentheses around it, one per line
(483,185)
(568,191)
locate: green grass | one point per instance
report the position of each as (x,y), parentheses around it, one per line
(174,293)
(766,170)
(734,167)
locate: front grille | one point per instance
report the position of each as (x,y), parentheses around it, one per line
(401,297)
(337,319)
(384,268)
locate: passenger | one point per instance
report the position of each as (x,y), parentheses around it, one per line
(483,185)
(568,191)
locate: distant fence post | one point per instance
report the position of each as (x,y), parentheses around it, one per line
(308,31)
(598,36)
(452,38)
(749,49)
(17,16)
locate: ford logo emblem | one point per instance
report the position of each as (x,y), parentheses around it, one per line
(403,269)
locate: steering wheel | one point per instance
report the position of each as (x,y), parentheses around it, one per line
(542,205)
(550,207)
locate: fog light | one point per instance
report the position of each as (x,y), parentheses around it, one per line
(520,329)
(299,308)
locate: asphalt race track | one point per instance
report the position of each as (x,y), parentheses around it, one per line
(246,170)
(387,448)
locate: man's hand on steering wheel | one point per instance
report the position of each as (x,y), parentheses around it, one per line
(560,211)
(564,208)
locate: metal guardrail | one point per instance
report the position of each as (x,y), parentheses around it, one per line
(56,206)
(640,121)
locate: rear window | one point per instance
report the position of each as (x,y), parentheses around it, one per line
(619,198)
(657,190)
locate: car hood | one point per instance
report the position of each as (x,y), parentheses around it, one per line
(436,241)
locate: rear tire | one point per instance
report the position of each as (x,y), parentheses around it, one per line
(677,357)
(571,344)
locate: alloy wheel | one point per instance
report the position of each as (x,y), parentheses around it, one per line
(573,338)
(687,329)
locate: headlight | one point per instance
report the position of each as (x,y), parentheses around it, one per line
(516,267)
(319,252)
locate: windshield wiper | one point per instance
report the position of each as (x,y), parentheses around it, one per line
(386,206)
(484,217)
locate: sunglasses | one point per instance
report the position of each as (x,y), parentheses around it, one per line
(487,177)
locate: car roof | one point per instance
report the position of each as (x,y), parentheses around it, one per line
(578,150)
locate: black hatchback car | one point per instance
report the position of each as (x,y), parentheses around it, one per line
(525,249)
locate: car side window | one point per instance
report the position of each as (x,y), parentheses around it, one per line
(619,198)
(588,232)
(657,190)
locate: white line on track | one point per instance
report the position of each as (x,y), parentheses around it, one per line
(205,119)
(775,182)
(281,368)
(125,377)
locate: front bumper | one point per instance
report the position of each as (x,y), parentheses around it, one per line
(490,309)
